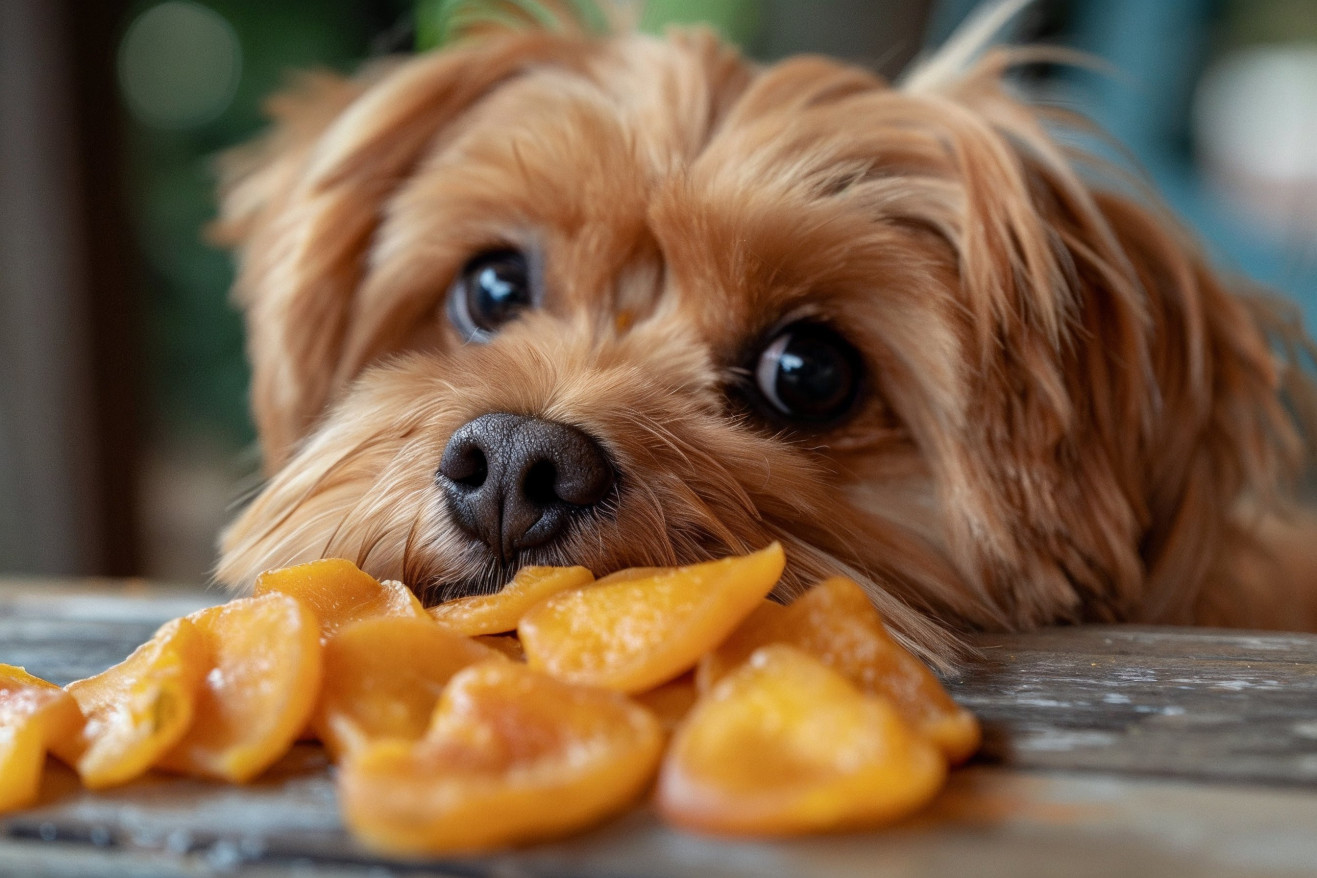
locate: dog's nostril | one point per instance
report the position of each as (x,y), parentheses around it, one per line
(475,470)
(538,485)
(464,463)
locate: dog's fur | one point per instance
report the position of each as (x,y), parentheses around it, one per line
(1066,415)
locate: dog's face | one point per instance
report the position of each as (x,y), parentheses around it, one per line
(540,300)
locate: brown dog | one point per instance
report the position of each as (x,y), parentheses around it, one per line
(554,299)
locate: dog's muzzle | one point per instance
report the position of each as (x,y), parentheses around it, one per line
(516,482)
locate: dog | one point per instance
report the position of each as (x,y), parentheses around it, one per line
(550,297)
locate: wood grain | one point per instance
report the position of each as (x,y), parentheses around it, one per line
(61,631)
(1189,703)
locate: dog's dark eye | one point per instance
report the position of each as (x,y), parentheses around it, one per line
(809,373)
(491,290)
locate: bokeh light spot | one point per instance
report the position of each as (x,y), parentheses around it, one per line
(179,65)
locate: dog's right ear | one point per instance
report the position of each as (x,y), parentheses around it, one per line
(301,205)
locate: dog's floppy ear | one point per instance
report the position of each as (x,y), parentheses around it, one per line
(300,207)
(1120,404)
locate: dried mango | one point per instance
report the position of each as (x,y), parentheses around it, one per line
(764,625)
(631,634)
(784,745)
(671,701)
(383,677)
(138,709)
(507,644)
(262,679)
(338,592)
(511,755)
(34,715)
(782,720)
(501,611)
(835,622)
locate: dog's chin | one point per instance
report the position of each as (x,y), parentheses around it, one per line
(480,575)
(475,569)
(479,572)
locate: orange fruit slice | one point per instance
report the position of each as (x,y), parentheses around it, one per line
(507,644)
(763,625)
(338,592)
(500,612)
(33,715)
(670,702)
(261,685)
(382,678)
(835,622)
(138,709)
(630,574)
(511,756)
(785,745)
(631,634)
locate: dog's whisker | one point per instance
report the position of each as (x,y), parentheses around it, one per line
(376,507)
(409,561)
(292,506)
(387,522)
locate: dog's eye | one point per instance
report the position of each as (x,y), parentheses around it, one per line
(491,290)
(809,373)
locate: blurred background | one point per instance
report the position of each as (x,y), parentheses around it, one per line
(124,434)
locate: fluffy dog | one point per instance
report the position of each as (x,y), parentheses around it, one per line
(553,298)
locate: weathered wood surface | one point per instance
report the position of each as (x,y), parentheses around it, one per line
(1204,705)
(61,632)
(1127,751)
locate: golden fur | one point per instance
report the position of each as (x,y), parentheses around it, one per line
(1067,415)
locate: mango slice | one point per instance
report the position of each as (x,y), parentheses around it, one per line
(338,592)
(138,709)
(263,675)
(630,574)
(784,745)
(763,625)
(34,715)
(507,644)
(670,702)
(631,634)
(511,755)
(836,622)
(500,612)
(383,677)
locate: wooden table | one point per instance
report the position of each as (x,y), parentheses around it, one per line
(1109,751)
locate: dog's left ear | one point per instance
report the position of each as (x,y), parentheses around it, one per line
(1120,404)
(301,206)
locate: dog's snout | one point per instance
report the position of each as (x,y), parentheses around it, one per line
(516,482)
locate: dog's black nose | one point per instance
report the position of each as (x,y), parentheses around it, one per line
(516,482)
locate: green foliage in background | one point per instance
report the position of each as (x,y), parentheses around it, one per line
(438,21)
(737,20)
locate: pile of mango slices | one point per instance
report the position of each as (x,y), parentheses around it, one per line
(527,714)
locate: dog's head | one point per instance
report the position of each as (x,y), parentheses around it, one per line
(542,298)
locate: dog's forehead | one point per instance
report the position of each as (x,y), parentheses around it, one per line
(657,175)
